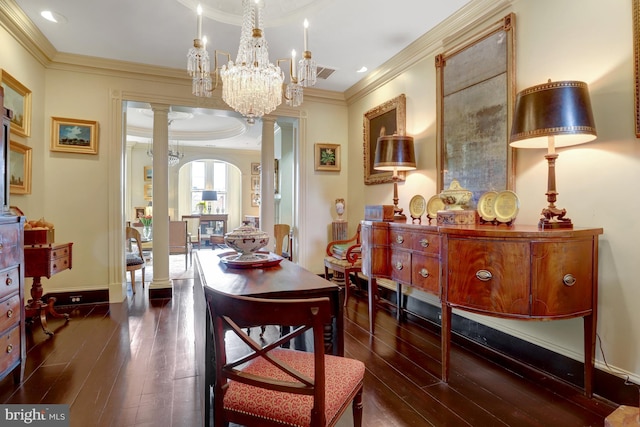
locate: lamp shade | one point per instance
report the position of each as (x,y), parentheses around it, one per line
(394,152)
(209,195)
(558,109)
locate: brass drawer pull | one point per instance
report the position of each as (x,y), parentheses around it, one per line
(569,280)
(399,239)
(484,275)
(399,265)
(424,272)
(9,281)
(9,313)
(9,348)
(424,243)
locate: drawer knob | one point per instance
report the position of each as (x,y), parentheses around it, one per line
(484,275)
(424,243)
(55,266)
(399,239)
(424,272)
(1,246)
(399,265)
(9,313)
(569,280)
(9,348)
(9,281)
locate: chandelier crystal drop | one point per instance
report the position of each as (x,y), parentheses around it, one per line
(174,154)
(252,85)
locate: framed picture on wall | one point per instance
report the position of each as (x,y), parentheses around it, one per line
(20,167)
(255,183)
(385,119)
(476,87)
(255,168)
(74,135)
(148,192)
(148,173)
(327,157)
(17,98)
(139,211)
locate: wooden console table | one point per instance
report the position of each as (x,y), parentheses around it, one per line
(515,272)
(45,260)
(216,222)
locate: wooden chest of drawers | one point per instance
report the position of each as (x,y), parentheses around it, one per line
(12,316)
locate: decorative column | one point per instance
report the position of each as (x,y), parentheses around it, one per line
(267,170)
(161,286)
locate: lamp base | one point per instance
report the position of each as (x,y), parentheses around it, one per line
(548,224)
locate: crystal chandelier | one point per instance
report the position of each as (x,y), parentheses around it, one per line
(174,155)
(251,85)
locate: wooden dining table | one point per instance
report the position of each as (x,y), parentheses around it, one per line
(284,280)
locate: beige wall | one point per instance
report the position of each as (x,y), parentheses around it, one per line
(588,40)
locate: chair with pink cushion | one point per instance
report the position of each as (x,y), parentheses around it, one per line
(268,385)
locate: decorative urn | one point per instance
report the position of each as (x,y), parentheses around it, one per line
(246,240)
(455,197)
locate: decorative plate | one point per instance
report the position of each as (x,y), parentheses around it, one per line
(417,206)
(506,206)
(256,260)
(434,205)
(486,205)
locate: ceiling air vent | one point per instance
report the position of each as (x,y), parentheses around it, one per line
(324,72)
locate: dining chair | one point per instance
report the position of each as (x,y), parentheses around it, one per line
(282,234)
(269,385)
(179,241)
(133,255)
(343,257)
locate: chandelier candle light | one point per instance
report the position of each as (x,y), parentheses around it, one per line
(251,85)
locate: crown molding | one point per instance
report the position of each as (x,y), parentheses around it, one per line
(14,20)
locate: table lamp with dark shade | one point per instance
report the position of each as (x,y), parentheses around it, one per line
(395,153)
(550,115)
(209,196)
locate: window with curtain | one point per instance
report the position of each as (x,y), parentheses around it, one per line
(209,175)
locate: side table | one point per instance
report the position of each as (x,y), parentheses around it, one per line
(45,260)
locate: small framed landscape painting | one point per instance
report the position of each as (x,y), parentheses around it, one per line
(74,136)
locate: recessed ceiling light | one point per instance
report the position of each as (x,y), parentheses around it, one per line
(362,70)
(52,16)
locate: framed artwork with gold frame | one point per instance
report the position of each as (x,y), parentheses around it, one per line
(476,87)
(74,135)
(385,119)
(148,191)
(17,98)
(148,173)
(327,157)
(20,167)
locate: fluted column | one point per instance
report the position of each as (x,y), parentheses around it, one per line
(267,200)
(161,280)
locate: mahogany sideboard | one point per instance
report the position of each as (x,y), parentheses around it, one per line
(511,272)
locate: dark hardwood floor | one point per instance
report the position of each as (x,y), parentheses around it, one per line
(133,365)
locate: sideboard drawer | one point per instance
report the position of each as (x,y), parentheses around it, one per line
(10,245)
(489,275)
(400,238)
(426,273)
(9,312)
(9,348)
(10,281)
(425,242)
(401,266)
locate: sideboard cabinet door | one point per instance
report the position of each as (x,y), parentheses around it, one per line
(563,282)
